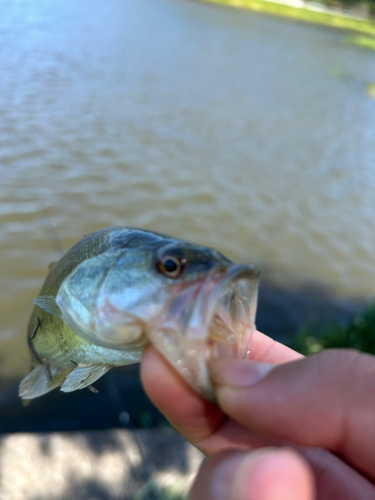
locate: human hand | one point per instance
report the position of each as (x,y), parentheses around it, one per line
(309,420)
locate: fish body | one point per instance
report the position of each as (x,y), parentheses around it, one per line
(118,289)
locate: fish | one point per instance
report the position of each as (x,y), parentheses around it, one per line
(120,288)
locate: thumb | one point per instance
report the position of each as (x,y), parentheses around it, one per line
(326,400)
(265,474)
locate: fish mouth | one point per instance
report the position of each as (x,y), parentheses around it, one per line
(210,318)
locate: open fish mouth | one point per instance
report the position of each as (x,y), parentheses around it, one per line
(209,318)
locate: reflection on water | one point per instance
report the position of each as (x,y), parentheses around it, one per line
(234,130)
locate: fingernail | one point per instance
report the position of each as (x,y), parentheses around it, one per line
(237,372)
(227,480)
(270,473)
(222,479)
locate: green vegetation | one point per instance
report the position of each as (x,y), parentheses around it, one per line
(152,491)
(302,14)
(358,334)
(365,42)
(370,89)
(366,5)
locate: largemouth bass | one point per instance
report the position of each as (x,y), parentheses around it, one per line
(120,288)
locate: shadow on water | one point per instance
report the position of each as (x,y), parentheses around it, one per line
(81,410)
(282,311)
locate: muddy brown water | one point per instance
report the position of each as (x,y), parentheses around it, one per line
(248,133)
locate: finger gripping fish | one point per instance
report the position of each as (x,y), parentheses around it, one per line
(120,288)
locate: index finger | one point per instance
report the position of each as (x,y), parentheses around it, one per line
(198,420)
(267,350)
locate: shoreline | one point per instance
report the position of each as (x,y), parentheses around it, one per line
(309,12)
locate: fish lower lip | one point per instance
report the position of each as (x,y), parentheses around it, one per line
(209,319)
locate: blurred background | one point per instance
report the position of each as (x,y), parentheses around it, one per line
(249,133)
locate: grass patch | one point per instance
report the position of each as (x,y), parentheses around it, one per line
(370,90)
(361,41)
(152,491)
(358,334)
(301,14)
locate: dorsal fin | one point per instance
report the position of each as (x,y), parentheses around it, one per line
(83,376)
(48,304)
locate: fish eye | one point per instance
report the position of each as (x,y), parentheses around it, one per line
(170,266)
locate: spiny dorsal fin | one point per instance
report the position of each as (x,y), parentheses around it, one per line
(83,376)
(37,383)
(48,304)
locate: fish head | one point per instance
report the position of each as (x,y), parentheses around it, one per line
(190,301)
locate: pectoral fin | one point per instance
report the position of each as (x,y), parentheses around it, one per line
(83,376)
(37,382)
(48,304)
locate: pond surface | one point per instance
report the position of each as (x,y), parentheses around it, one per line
(248,133)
